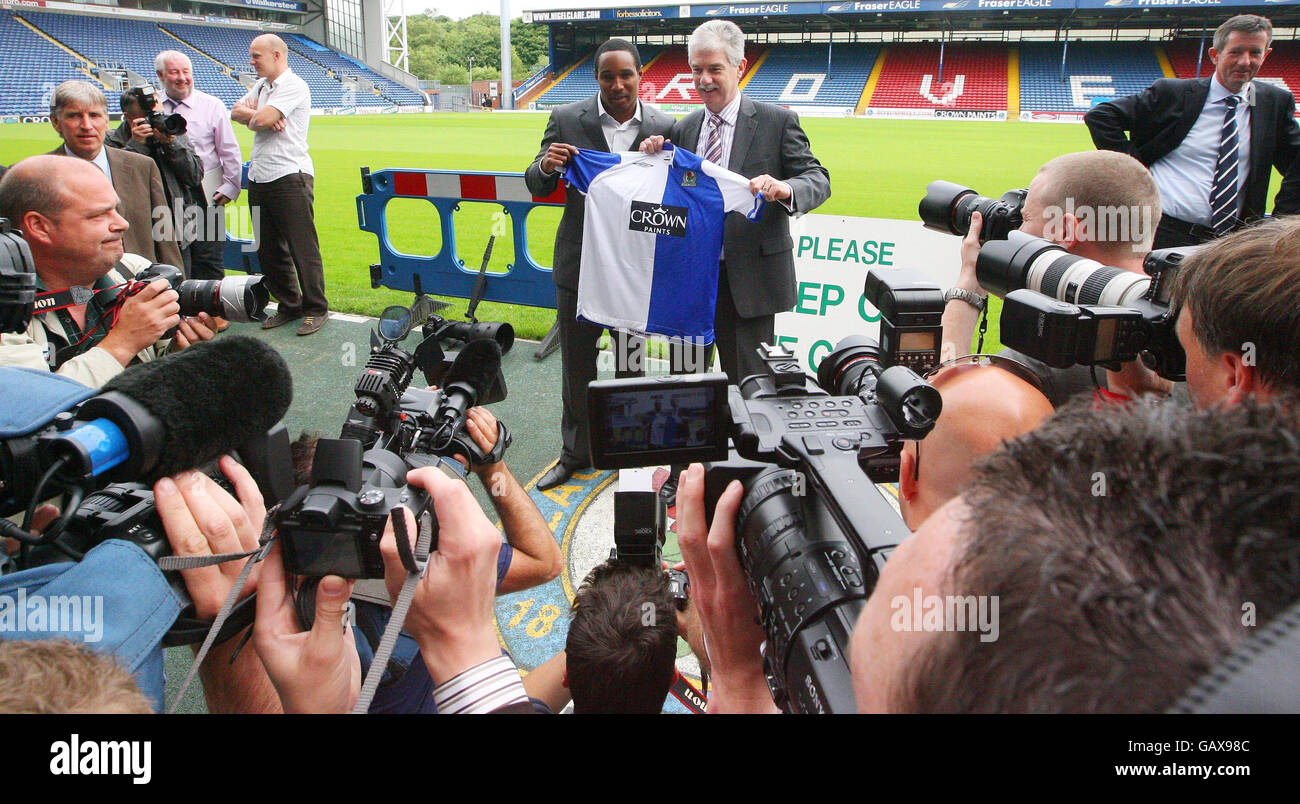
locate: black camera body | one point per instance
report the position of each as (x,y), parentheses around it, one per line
(235,298)
(947,208)
(1067,310)
(17,280)
(147,99)
(333,525)
(812,530)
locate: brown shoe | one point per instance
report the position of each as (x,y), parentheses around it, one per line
(312,323)
(279,319)
(221,323)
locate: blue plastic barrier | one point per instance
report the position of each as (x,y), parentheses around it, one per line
(446,273)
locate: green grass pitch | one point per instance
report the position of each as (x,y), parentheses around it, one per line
(878,168)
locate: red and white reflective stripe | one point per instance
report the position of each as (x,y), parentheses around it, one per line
(474,187)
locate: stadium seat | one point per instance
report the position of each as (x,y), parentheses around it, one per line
(1093,70)
(974,77)
(798,75)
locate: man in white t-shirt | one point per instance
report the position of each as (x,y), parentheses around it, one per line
(281,186)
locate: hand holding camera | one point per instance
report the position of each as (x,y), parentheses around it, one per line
(451,616)
(720,593)
(145,317)
(316,671)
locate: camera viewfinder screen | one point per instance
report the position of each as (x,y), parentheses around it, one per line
(318,553)
(918,341)
(663,420)
(641,423)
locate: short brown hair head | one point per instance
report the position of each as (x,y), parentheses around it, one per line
(59,677)
(622,642)
(1125,547)
(1242,23)
(1117,189)
(1243,291)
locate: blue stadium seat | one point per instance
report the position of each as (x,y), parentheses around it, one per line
(850,67)
(581,81)
(132,44)
(30,68)
(1092,70)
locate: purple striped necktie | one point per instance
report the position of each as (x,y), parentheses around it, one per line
(713,152)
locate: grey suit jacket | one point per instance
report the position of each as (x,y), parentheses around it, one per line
(760,256)
(139,190)
(578,124)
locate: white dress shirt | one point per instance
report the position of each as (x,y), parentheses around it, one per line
(619,136)
(1185,176)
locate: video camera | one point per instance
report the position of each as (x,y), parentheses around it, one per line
(947,208)
(102,452)
(333,525)
(17,280)
(1067,310)
(812,531)
(146,97)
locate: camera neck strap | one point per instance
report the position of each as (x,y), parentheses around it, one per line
(415,563)
(683,690)
(193,562)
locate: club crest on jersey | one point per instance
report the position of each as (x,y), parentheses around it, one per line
(689,180)
(657,219)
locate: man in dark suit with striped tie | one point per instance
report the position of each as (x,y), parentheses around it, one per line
(1211,143)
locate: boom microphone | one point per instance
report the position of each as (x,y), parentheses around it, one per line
(178,412)
(469,378)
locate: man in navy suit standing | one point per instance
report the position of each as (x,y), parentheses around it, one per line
(1211,143)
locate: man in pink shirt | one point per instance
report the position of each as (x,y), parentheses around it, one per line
(213,138)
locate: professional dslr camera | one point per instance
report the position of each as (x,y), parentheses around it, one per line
(236,298)
(640,528)
(147,99)
(947,208)
(1066,310)
(812,531)
(333,525)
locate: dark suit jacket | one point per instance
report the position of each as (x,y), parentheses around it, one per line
(760,256)
(578,124)
(1159,118)
(140,191)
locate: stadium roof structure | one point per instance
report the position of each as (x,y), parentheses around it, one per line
(920,15)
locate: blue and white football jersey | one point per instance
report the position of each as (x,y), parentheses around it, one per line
(652,238)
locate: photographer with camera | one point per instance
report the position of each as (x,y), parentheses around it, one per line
(1099,205)
(85,327)
(985,404)
(1239,314)
(146,131)
(621,649)
(1111,603)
